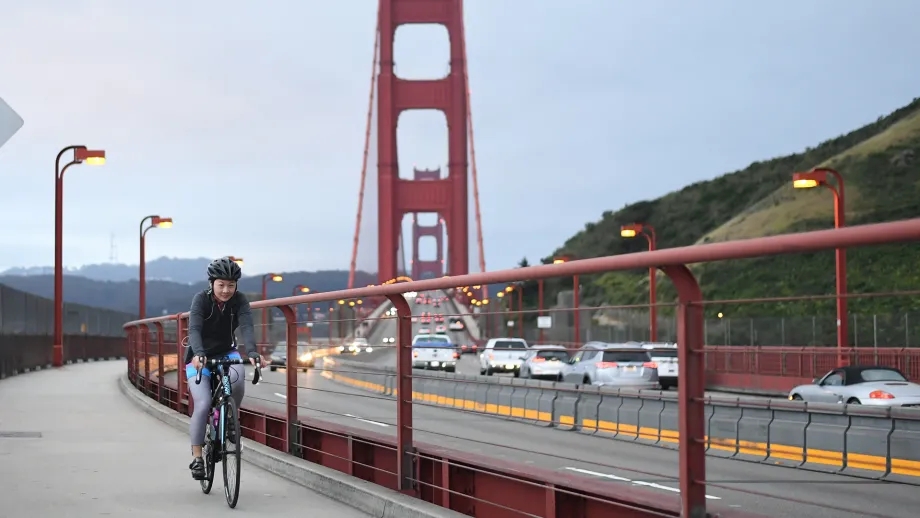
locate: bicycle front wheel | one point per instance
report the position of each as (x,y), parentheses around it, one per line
(231,452)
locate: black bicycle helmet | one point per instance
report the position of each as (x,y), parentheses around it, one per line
(225,269)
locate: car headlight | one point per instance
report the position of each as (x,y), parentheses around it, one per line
(369,349)
(306,357)
(341,348)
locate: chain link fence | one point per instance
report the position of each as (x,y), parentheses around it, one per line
(22,313)
(622,325)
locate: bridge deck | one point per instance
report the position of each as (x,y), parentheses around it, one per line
(96,454)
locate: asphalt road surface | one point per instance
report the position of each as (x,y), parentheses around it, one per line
(599,460)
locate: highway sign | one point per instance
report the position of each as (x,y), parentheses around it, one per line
(10,122)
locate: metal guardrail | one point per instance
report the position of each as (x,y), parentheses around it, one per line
(864,441)
(22,353)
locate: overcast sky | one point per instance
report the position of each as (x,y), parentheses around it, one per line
(245,120)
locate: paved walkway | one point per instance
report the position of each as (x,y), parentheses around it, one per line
(93,453)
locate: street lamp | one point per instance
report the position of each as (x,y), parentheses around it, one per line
(155,222)
(575,295)
(274,277)
(80,155)
(815,178)
(237,260)
(630,231)
(300,288)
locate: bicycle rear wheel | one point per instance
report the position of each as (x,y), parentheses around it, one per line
(231,453)
(209,456)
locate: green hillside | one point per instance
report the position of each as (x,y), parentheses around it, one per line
(881,166)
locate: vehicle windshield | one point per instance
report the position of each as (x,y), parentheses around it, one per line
(663,353)
(360,340)
(280,349)
(509,344)
(626,356)
(882,375)
(301,349)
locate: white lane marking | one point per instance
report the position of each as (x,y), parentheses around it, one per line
(636,482)
(282,396)
(366,420)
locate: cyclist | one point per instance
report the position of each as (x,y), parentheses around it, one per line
(215,314)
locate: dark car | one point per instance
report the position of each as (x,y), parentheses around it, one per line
(304,359)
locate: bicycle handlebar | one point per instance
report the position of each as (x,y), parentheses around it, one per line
(256,378)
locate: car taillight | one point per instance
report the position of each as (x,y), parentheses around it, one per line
(456,355)
(880,394)
(650,365)
(538,360)
(607,365)
(415,354)
(491,356)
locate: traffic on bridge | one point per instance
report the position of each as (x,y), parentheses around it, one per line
(711,353)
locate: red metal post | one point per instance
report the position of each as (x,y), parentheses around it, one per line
(540,306)
(520,308)
(690,393)
(292,417)
(160,374)
(575,304)
(57,344)
(840,267)
(264,311)
(181,384)
(405,450)
(396,196)
(652,290)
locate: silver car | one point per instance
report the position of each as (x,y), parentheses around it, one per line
(861,385)
(544,361)
(617,365)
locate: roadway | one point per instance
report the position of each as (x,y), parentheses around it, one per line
(622,462)
(73,445)
(781,490)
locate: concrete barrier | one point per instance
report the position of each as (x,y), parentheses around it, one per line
(851,439)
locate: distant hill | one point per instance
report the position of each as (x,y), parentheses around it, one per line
(167,296)
(183,271)
(881,166)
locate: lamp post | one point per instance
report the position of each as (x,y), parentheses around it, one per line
(237,260)
(300,288)
(80,155)
(630,231)
(575,296)
(155,222)
(814,178)
(274,277)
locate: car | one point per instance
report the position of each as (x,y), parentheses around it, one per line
(544,362)
(874,385)
(625,365)
(455,324)
(440,330)
(278,357)
(424,331)
(468,348)
(359,344)
(434,352)
(502,355)
(439,318)
(665,355)
(389,340)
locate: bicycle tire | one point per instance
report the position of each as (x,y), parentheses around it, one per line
(209,459)
(231,423)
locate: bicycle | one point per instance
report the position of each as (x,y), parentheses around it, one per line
(223,428)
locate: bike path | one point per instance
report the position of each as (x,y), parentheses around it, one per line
(71,444)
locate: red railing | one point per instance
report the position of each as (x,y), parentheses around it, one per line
(482,484)
(21,352)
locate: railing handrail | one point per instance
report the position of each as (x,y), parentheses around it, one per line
(797,243)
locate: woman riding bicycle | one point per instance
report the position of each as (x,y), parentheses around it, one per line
(215,314)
